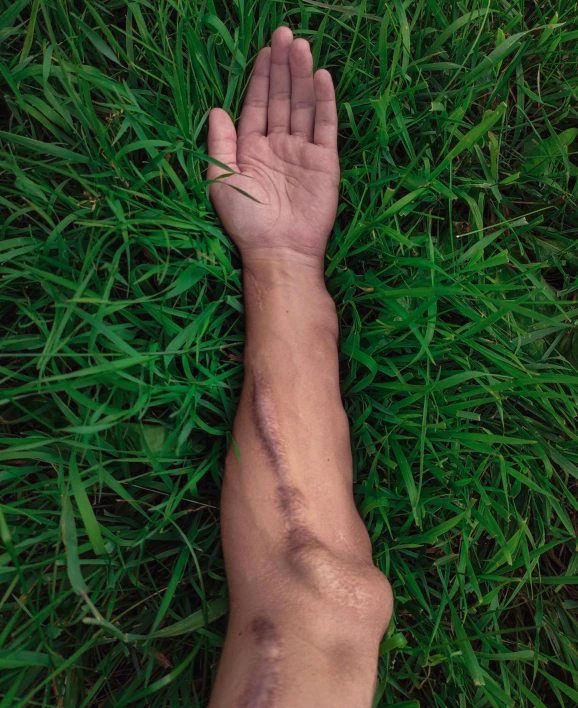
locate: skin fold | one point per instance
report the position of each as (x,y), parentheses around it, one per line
(308,607)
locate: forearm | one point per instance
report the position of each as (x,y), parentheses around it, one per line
(297,422)
(293,458)
(306,600)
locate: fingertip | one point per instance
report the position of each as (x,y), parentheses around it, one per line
(221,129)
(216,114)
(323,75)
(281,43)
(324,89)
(301,51)
(262,66)
(283,34)
(264,55)
(213,119)
(300,45)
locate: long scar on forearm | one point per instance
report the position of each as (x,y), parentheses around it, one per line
(290,501)
(263,685)
(305,554)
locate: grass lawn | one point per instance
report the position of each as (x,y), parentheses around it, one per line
(454,265)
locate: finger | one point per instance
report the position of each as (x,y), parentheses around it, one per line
(302,91)
(279,116)
(254,113)
(222,143)
(325,111)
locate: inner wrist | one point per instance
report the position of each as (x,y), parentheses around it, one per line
(284,267)
(288,292)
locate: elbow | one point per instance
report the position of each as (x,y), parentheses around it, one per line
(350,596)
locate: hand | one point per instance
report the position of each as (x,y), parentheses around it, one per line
(284,155)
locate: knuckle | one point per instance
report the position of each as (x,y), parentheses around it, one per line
(280,95)
(256,103)
(302,106)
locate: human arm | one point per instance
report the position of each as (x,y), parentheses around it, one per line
(308,607)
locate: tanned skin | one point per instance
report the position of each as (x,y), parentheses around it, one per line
(308,607)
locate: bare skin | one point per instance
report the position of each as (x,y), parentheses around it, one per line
(308,607)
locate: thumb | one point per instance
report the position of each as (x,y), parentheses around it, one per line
(222,143)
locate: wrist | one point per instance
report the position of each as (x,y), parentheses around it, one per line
(285,287)
(284,267)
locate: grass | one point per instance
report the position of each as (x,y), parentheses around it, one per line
(454,265)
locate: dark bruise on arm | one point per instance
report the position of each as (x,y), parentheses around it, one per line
(263,686)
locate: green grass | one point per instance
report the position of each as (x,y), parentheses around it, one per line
(454,266)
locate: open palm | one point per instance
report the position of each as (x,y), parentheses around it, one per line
(284,156)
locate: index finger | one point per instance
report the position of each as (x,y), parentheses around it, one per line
(325,111)
(254,114)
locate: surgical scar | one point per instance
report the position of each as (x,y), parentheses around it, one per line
(290,501)
(301,543)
